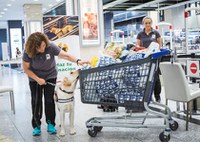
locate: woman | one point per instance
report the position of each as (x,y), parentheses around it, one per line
(40,66)
(18,53)
(144,39)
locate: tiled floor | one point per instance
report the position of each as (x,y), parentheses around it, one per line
(17,128)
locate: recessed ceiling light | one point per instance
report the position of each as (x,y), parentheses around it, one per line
(5,9)
(35,0)
(9,5)
(2,13)
(1,16)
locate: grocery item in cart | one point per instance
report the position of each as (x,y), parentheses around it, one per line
(106,60)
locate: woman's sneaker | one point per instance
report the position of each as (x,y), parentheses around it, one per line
(36,131)
(51,129)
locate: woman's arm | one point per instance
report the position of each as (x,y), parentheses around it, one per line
(26,67)
(159,40)
(71,58)
(138,43)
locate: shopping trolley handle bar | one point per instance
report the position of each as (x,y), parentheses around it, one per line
(162,52)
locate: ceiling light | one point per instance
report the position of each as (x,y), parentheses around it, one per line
(113,3)
(145,4)
(5,9)
(2,13)
(44,9)
(9,5)
(177,5)
(50,5)
(1,16)
(35,0)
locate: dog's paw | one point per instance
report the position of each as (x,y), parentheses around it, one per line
(72,131)
(62,133)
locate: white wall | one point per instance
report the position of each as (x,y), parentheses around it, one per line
(193,21)
(154,16)
(88,52)
(175,16)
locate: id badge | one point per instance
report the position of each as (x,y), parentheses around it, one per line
(48,56)
(153,36)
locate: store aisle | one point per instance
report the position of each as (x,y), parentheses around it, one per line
(17,128)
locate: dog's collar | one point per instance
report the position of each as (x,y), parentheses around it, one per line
(66,91)
(65,100)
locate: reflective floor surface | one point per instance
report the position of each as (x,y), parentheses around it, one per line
(17,128)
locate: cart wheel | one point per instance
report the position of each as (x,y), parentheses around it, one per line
(92,132)
(173,126)
(98,128)
(164,138)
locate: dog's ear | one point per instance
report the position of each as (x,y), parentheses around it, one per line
(67,82)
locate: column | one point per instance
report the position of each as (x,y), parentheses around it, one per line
(69,7)
(108,24)
(33,19)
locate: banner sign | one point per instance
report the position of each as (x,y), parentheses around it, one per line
(89,25)
(63,31)
(16,41)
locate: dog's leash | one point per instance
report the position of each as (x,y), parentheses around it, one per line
(50,83)
(36,106)
(54,84)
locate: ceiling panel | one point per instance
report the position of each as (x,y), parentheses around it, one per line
(13,9)
(140,5)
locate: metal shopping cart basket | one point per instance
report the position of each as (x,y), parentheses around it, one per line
(127,85)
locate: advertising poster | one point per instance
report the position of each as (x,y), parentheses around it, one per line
(58,27)
(16,41)
(89,26)
(64,32)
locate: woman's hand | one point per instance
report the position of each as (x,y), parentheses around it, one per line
(41,81)
(80,62)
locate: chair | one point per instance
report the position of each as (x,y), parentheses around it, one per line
(176,86)
(4,89)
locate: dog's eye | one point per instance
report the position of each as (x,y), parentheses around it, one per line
(71,72)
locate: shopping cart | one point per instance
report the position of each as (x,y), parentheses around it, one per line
(128,85)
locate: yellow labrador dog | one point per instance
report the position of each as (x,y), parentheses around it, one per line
(64,97)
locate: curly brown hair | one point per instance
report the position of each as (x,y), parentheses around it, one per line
(33,43)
